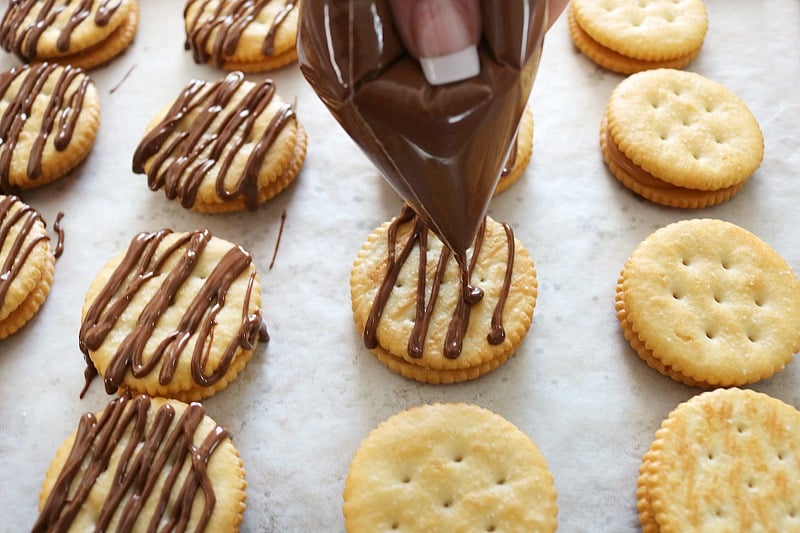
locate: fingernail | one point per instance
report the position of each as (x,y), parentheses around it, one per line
(452,67)
(447,50)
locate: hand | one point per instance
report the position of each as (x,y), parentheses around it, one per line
(443,35)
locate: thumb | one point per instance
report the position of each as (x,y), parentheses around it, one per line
(442,34)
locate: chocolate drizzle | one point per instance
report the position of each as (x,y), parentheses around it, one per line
(143,261)
(18,251)
(23,40)
(181,159)
(59,229)
(166,449)
(418,235)
(60,115)
(227,23)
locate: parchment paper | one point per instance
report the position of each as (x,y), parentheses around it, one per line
(304,403)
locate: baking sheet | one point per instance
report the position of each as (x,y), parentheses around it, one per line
(304,403)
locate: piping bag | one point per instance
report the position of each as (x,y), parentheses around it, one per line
(442,148)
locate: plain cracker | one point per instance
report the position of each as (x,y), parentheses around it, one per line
(449,467)
(711,302)
(725,460)
(648,30)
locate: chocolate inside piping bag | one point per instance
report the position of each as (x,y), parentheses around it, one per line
(442,148)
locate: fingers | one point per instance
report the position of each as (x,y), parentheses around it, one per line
(442,34)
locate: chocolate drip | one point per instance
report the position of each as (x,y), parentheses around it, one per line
(278,240)
(23,40)
(471,295)
(18,252)
(498,333)
(166,446)
(60,232)
(181,159)
(227,23)
(424,310)
(141,263)
(59,120)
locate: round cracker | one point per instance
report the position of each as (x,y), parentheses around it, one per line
(208,22)
(654,189)
(26,264)
(711,302)
(233,314)
(684,129)
(194,433)
(449,467)
(185,153)
(726,460)
(649,30)
(36,114)
(90,43)
(614,61)
(398,317)
(113,45)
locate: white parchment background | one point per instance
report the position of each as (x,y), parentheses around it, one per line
(302,406)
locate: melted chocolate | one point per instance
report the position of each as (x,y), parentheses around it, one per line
(227,23)
(278,240)
(182,159)
(424,310)
(60,232)
(25,216)
(442,148)
(23,40)
(145,259)
(165,448)
(59,120)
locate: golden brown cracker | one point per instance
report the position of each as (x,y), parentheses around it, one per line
(680,139)
(175,315)
(424,353)
(247,36)
(628,37)
(70,32)
(167,462)
(449,467)
(223,146)
(26,264)
(51,117)
(725,460)
(710,304)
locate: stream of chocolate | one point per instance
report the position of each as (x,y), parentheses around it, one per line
(59,229)
(424,311)
(24,217)
(182,158)
(164,449)
(23,40)
(227,23)
(143,261)
(278,240)
(60,115)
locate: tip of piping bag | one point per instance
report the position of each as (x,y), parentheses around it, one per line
(453,67)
